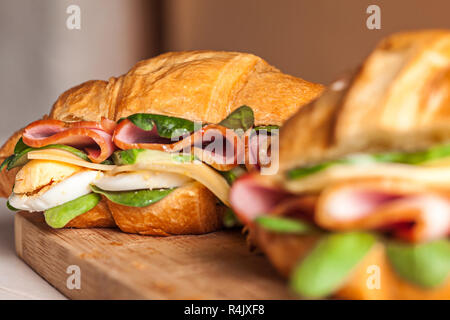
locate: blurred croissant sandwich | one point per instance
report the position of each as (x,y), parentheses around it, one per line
(134,152)
(360,208)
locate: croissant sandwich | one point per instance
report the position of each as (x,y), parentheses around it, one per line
(152,151)
(360,208)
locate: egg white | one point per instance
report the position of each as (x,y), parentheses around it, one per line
(64,191)
(141,180)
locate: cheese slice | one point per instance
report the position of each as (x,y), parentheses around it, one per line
(432,176)
(67,157)
(160,161)
(195,170)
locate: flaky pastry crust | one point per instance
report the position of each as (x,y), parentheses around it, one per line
(198,85)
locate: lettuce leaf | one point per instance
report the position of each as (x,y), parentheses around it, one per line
(167,127)
(19,158)
(327,266)
(413,158)
(61,215)
(135,198)
(285,225)
(241,118)
(426,265)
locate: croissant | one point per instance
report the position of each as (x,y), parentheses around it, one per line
(398,99)
(201,86)
(366,161)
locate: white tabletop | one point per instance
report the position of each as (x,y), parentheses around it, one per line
(17,279)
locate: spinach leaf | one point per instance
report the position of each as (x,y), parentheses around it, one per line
(126,156)
(326,267)
(241,118)
(6,162)
(233,174)
(268,128)
(230,220)
(10,207)
(135,198)
(168,127)
(412,158)
(306,171)
(20,146)
(19,158)
(426,265)
(133,156)
(285,225)
(61,215)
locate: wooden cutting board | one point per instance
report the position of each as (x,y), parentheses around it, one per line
(116,265)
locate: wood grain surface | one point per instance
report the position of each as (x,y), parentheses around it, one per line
(116,265)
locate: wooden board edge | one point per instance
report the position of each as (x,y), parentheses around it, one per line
(50,252)
(55,273)
(18,221)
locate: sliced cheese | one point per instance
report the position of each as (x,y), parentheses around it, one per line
(195,170)
(67,157)
(160,161)
(429,176)
(138,180)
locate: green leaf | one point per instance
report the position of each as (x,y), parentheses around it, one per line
(230,220)
(135,198)
(21,158)
(6,162)
(10,207)
(426,265)
(132,156)
(233,174)
(412,158)
(268,128)
(61,215)
(327,266)
(167,127)
(306,171)
(241,118)
(437,152)
(285,225)
(126,156)
(183,158)
(20,146)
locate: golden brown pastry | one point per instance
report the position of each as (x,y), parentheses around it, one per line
(98,217)
(191,209)
(285,251)
(363,180)
(199,86)
(402,88)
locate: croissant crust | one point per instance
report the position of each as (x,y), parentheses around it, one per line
(399,99)
(200,86)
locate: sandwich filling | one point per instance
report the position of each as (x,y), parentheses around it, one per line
(67,168)
(399,199)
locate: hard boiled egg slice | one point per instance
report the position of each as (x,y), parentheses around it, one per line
(138,180)
(38,174)
(69,189)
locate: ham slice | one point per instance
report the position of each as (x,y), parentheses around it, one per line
(411,214)
(251,197)
(94,137)
(405,210)
(213,144)
(256,150)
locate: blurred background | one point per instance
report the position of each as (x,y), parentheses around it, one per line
(317,40)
